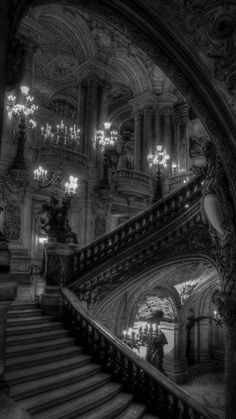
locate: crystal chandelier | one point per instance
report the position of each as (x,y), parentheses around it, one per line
(61,135)
(107,138)
(23,110)
(159,158)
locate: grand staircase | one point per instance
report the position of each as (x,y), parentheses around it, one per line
(52,377)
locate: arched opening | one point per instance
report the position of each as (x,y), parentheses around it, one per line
(193,349)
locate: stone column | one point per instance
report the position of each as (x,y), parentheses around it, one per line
(147,135)
(81,111)
(204,341)
(91,115)
(4,23)
(167,146)
(103,105)
(157,129)
(181,140)
(27,75)
(174,364)
(138,141)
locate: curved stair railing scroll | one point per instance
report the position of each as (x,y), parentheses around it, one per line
(140,226)
(161,396)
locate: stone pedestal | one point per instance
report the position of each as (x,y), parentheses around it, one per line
(174,364)
(7,295)
(59,270)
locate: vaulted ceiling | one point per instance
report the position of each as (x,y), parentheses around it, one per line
(72,44)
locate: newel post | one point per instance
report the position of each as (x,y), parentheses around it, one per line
(59,260)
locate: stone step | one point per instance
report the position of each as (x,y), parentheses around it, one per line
(22,306)
(39,385)
(24,313)
(79,406)
(74,391)
(21,339)
(44,370)
(120,405)
(34,328)
(41,358)
(32,348)
(134,411)
(25,321)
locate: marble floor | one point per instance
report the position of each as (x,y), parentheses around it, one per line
(208,389)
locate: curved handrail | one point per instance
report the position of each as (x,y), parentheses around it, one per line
(131,231)
(154,388)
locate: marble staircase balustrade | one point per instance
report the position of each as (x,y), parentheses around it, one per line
(150,386)
(137,238)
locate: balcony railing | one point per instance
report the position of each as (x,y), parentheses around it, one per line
(131,181)
(161,396)
(140,226)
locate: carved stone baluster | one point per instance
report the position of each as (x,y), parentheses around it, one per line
(185,411)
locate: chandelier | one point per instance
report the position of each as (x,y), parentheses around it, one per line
(159,158)
(23,110)
(61,135)
(106,138)
(157,161)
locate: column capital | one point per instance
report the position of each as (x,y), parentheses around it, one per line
(146,100)
(166,110)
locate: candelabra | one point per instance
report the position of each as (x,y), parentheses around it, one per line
(22,112)
(54,219)
(143,337)
(61,135)
(106,141)
(157,161)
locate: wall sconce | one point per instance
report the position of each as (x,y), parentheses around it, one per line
(43,239)
(218,319)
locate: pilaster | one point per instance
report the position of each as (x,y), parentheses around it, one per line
(181,137)
(91,115)
(4,23)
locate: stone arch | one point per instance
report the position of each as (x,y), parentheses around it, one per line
(154,281)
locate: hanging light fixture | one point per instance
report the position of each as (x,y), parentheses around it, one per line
(23,110)
(159,158)
(106,138)
(61,135)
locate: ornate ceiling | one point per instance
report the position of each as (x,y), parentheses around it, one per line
(72,45)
